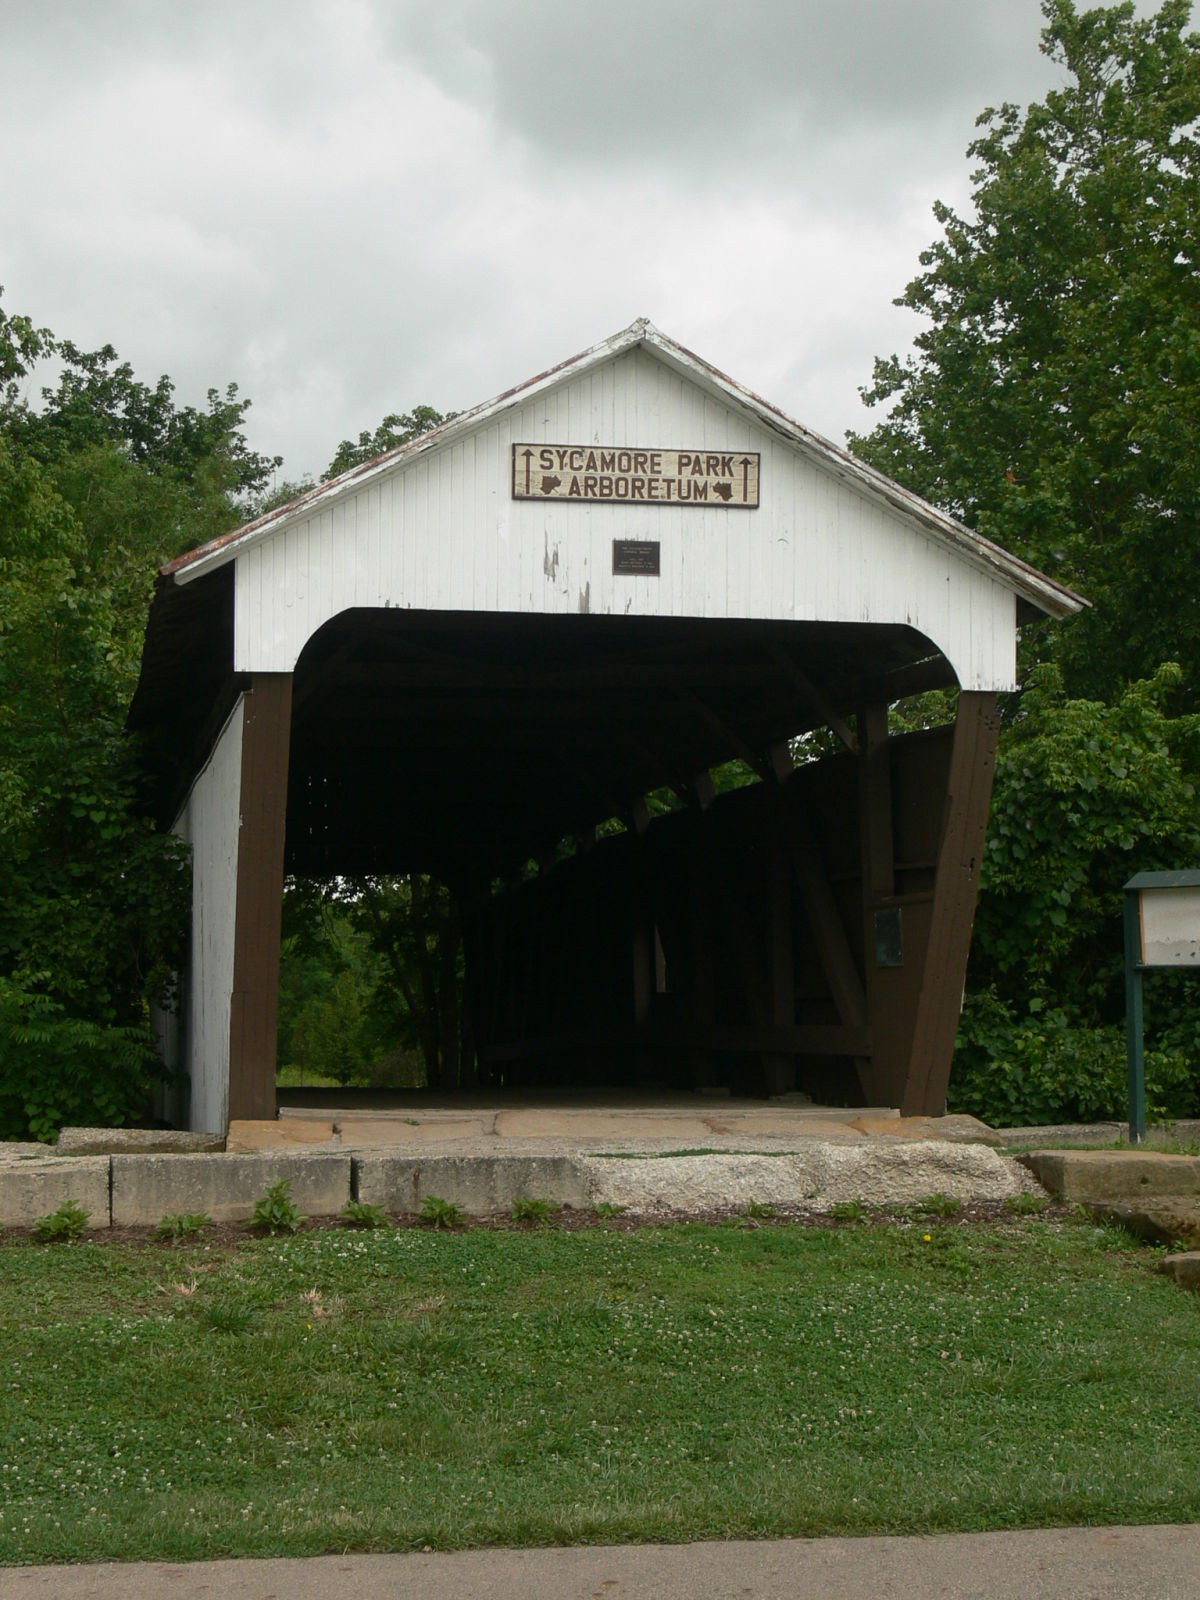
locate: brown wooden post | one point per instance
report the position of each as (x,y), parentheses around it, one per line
(266,737)
(875,805)
(820,908)
(969,793)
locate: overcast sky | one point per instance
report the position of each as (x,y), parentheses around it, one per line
(351,207)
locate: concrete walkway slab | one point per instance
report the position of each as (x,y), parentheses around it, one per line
(147,1188)
(247,1137)
(1184,1268)
(1124,1563)
(819,1174)
(1160,1220)
(136,1142)
(506,1130)
(34,1187)
(483,1185)
(573,1126)
(776,1125)
(1086,1175)
(360,1132)
(955,1128)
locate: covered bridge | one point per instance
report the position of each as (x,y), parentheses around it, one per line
(472,653)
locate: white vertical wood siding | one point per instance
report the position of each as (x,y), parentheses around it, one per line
(443,533)
(209,822)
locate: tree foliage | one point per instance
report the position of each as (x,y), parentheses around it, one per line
(1054,398)
(1053,403)
(98,485)
(1086,794)
(372,982)
(397,428)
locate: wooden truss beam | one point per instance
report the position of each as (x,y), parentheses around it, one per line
(820,907)
(972,766)
(813,696)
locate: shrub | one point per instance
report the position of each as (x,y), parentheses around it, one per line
(1086,793)
(56,1068)
(1013,1070)
(439,1213)
(275,1210)
(849,1211)
(67,1223)
(527,1208)
(759,1210)
(938,1204)
(177,1225)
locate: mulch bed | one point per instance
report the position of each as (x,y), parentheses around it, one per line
(231,1235)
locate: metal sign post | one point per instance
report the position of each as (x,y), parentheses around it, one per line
(1162,929)
(1134,1050)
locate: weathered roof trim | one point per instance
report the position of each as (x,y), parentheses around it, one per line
(1040,590)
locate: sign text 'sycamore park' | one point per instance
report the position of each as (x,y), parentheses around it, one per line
(635,476)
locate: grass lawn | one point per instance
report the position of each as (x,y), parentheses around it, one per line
(357,1391)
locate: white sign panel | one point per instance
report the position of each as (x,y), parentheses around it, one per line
(626,476)
(1170,921)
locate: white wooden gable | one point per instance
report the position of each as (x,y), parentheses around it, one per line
(435,526)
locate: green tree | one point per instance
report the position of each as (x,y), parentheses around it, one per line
(1053,402)
(93,900)
(1086,793)
(414,924)
(372,982)
(98,485)
(397,428)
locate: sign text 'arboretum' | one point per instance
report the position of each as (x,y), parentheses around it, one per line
(635,477)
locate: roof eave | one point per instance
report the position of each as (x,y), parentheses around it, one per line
(225,548)
(1050,597)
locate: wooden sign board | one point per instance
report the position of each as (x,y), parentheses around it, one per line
(1170,927)
(615,475)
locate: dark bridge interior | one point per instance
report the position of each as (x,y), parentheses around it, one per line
(466,745)
(622,921)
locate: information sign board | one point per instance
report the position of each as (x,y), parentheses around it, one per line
(616,475)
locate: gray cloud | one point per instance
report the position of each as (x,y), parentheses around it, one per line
(354,206)
(682,84)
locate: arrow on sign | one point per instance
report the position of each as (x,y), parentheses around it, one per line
(745,466)
(527,454)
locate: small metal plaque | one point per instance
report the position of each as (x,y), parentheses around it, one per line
(889,943)
(638,558)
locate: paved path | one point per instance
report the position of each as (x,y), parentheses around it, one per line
(1055,1564)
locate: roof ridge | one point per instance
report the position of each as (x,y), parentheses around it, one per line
(1038,587)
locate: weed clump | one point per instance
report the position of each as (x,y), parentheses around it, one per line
(179,1225)
(439,1213)
(938,1204)
(362,1214)
(527,1208)
(275,1211)
(63,1225)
